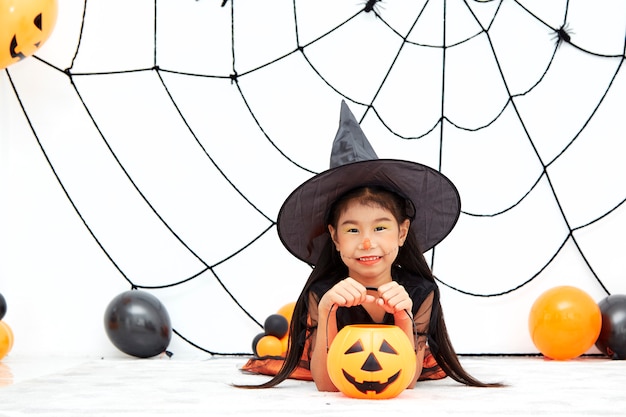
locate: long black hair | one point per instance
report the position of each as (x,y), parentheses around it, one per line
(410,258)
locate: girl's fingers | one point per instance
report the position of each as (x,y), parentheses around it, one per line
(348,293)
(393,298)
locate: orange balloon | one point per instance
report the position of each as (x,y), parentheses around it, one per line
(564,322)
(287,311)
(269,346)
(24,27)
(6,339)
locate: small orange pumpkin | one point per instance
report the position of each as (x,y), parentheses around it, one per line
(372,361)
(24,26)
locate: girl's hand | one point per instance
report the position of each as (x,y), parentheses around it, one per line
(345,293)
(394,299)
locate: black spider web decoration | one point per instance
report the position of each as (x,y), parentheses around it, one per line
(389,128)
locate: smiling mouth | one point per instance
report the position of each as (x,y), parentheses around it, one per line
(369,258)
(374,386)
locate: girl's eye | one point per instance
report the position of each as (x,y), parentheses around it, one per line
(352,230)
(379,228)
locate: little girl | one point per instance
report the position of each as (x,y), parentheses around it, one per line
(364,225)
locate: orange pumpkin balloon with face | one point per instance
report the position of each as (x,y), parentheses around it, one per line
(24,26)
(371,361)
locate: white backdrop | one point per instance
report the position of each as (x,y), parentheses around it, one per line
(160,161)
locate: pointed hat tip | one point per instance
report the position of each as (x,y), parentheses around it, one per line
(346,114)
(350,144)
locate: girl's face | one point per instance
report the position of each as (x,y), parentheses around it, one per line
(368,238)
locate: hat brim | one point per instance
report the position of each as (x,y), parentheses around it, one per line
(301,220)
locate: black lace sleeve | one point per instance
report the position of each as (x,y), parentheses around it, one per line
(421,319)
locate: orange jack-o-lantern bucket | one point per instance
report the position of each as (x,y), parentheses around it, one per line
(372,361)
(24,26)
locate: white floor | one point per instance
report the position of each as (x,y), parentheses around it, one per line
(201,387)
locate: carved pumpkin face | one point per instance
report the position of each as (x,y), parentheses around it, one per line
(24,26)
(371,361)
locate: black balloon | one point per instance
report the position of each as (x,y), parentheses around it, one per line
(138,324)
(276,325)
(255,341)
(3,306)
(612,339)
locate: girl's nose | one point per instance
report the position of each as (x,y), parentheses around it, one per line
(367,244)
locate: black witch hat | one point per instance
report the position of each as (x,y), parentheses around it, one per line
(302,218)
